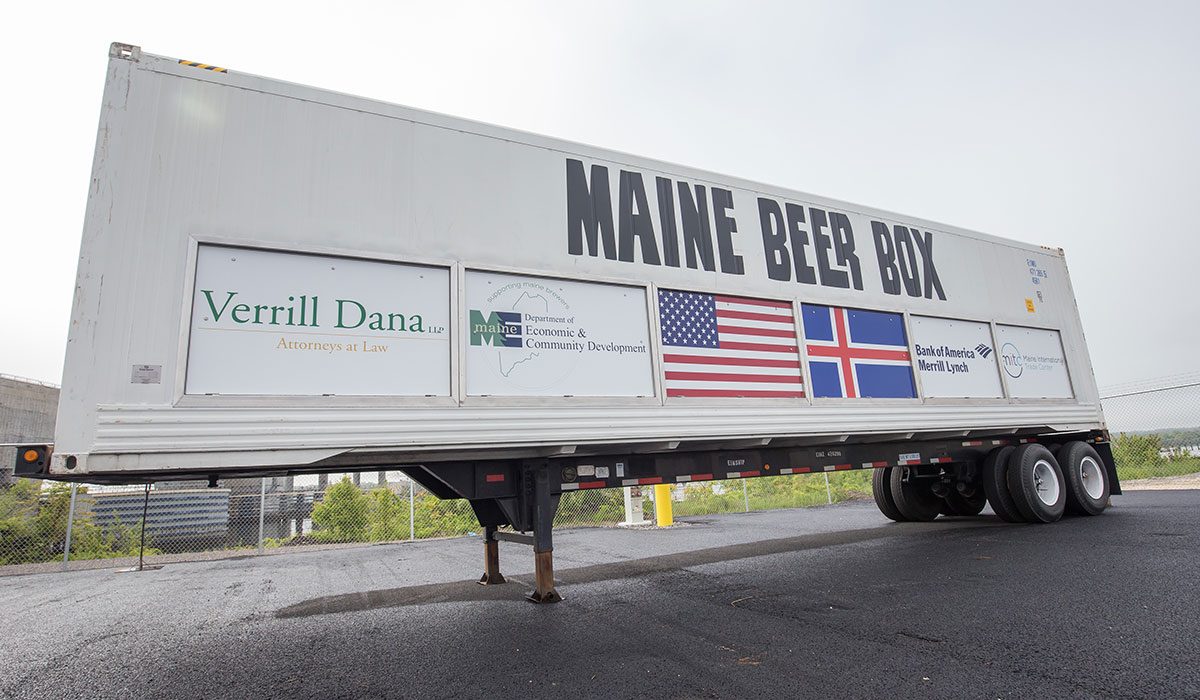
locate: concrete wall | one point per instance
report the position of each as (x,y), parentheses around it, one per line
(27,411)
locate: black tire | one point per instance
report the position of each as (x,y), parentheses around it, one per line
(1036,484)
(995,485)
(914,499)
(1082,470)
(960,504)
(882,490)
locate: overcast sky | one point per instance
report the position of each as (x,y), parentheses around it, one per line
(1064,124)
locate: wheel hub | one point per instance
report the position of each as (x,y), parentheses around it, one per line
(1091,477)
(1046,482)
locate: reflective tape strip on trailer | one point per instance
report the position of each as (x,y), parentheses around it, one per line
(874,465)
(584,485)
(694,477)
(741,475)
(204,66)
(644,481)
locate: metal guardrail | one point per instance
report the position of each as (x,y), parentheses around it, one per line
(27,380)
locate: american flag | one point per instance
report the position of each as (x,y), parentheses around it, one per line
(717,345)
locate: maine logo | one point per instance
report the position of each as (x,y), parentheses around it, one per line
(498,328)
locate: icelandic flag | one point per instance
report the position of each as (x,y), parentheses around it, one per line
(856,353)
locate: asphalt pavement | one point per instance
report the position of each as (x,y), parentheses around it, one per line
(821,602)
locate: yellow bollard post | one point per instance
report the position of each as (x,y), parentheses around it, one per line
(662,505)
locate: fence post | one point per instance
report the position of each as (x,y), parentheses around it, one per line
(412,523)
(828,492)
(70,526)
(262,512)
(745,495)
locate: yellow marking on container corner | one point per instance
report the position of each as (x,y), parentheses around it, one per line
(1029,305)
(204,66)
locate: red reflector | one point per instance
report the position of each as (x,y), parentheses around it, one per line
(493,478)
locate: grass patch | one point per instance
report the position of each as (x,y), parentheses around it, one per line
(1177,466)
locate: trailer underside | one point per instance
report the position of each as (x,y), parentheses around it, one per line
(522,494)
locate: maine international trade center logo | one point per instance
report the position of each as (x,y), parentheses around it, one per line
(1012,360)
(498,328)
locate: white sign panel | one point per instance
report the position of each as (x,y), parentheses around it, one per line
(955,358)
(1033,361)
(278,323)
(531,336)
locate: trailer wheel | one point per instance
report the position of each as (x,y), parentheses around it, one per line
(961,504)
(1036,484)
(882,490)
(914,498)
(995,485)
(1085,477)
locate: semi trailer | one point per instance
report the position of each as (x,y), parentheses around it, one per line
(278,279)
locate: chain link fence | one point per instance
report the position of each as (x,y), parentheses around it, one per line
(1155,429)
(47,525)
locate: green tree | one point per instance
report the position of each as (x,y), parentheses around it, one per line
(342,515)
(1132,450)
(438,518)
(590,507)
(387,516)
(33,526)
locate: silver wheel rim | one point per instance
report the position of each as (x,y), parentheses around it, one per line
(1091,477)
(1045,482)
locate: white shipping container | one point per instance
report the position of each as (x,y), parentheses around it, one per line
(278,276)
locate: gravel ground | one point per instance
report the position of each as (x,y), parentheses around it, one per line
(823,602)
(1185,481)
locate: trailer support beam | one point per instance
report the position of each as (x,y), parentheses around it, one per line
(544,504)
(491,558)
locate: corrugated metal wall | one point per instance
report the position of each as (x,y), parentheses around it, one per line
(27,411)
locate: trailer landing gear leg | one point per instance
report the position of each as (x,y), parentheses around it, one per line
(545,592)
(544,505)
(491,558)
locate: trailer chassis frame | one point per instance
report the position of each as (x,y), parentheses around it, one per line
(524,494)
